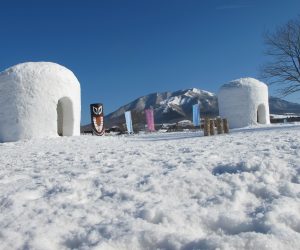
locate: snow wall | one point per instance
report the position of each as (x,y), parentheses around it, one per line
(244,102)
(37,100)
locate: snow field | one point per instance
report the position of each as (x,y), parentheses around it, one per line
(156,191)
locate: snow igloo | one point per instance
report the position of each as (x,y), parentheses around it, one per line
(38,100)
(244,102)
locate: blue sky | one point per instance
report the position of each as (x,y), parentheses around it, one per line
(120,50)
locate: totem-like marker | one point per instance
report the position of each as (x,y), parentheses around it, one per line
(196,115)
(97,118)
(128,122)
(150,119)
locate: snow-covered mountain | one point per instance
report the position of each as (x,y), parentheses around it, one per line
(169,106)
(280,106)
(176,106)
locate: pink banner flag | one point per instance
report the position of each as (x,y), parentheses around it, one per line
(150,119)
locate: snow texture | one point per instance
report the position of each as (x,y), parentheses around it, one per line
(38,99)
(154,191)
(244,102)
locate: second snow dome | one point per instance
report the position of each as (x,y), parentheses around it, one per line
(244,102)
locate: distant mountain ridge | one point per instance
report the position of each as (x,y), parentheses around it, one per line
(280,106)
(176,106)
(168,106)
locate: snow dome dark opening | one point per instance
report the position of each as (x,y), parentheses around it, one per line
(261,114)
(65,117)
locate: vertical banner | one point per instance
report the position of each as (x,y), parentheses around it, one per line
(128,122)
(150,119)
(196,114)
(97,118)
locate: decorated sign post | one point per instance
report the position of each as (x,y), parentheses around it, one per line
(128,122)
(97,118)
(150,119)
(196,114)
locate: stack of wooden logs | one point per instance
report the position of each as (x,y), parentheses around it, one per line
(220,124)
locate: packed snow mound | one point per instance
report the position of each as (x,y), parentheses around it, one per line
(38,99)
(247,82)
(175,191)
(244,102)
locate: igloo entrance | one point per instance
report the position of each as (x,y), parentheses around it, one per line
(261,114)
(65,117)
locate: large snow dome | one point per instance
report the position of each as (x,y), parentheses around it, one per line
(244,102)
(38,99)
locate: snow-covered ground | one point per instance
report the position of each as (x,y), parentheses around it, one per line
(284,116)
(156,191)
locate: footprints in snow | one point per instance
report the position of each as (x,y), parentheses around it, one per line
(235,169)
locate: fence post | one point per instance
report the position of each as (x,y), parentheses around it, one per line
(225,126)
(219,126)
(206,127)
(211,127)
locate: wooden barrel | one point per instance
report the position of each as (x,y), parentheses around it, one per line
(225,126)
(219,126)
(212,127)
(206,127)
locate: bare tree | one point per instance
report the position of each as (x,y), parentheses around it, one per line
(283,46)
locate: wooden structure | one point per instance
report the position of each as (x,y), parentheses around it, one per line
(206,127)
(211,124)
(225,126)
(219,125)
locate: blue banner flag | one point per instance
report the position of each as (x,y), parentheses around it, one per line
(128,122)
(196,114)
